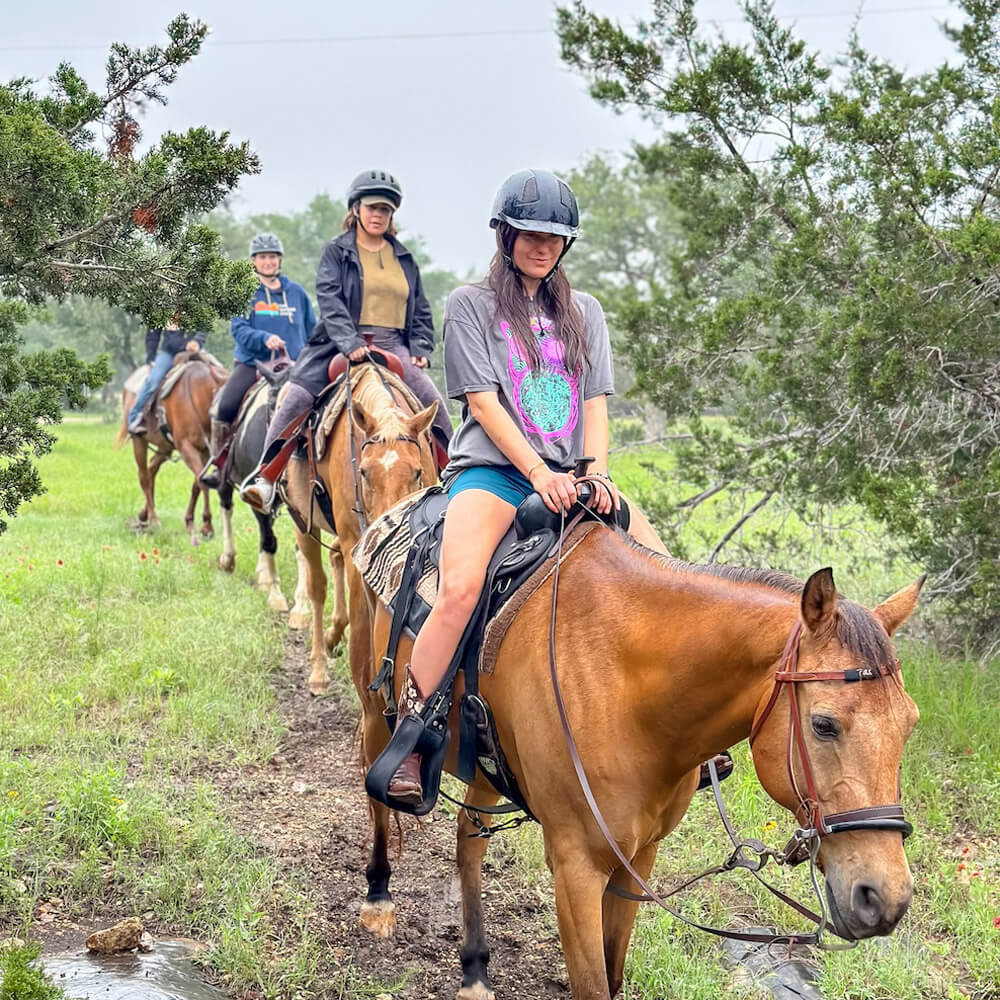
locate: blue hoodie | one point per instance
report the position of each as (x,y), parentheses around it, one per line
(286,312)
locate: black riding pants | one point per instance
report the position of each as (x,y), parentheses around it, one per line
(234,390)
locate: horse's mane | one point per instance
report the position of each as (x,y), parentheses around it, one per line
(380,405)
(857,629)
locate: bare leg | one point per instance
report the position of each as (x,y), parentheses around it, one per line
(475,523)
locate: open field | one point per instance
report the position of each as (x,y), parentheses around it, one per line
(153,727)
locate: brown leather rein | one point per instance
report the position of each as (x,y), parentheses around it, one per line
(804,844)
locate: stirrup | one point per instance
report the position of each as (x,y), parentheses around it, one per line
(723,765)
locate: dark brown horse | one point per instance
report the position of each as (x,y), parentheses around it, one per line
(186,409)
(663,664)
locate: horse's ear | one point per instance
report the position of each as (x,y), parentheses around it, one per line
(419,422)
(819,600)
(893,611)
(363,418)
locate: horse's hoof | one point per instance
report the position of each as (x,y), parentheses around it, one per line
(477,991)
(379,918)
(299,620)
(227,562)
(318,687)
(208,533)
(277,602)
(332,637)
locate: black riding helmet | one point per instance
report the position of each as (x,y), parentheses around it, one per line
(537,201)
(375,182)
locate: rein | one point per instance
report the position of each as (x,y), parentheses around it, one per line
(805,843)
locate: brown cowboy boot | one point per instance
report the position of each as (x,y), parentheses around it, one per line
(211,475)
(259,488)
(405,783)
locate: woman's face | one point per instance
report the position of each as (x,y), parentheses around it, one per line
(267,264)
(375,219)
(535,254)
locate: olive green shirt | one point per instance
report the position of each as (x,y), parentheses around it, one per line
(385,291)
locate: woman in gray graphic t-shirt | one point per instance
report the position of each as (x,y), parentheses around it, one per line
(530,361)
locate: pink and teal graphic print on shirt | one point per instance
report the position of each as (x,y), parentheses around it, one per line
(547,400)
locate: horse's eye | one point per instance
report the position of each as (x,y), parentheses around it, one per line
(364,472)
(825,728)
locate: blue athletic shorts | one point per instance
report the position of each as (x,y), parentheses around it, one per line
(503,481)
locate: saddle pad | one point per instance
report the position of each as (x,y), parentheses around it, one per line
(339,397)
(381,552)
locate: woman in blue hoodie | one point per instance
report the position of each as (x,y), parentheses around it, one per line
(280,318)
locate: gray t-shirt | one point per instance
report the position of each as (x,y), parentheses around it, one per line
(482,354)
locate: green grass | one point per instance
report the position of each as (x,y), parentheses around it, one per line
(130,667)
(124,680)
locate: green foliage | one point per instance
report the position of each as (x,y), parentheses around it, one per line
(833,289)
(20,979)
(77,219)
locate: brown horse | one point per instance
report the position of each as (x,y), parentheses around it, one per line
(186,410)
(646,704)
(393,459)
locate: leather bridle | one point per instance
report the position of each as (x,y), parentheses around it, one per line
(787,676)
(803,846)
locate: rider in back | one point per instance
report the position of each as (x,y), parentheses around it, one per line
(161,346)
(280,318)
(530,360)
(367,284)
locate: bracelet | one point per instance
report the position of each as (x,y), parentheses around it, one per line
(527,475)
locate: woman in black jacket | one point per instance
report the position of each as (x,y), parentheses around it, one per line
(367,284)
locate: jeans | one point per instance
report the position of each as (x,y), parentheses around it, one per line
(161,365)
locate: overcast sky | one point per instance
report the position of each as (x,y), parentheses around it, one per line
(320,99)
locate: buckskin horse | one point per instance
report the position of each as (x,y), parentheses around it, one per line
(661,664)
(377,452)
(186,410)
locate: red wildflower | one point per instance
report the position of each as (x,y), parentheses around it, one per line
(961,866)
(156,552)
(996,923)
(142,555)
(976,874)
(59,562)
(965,850)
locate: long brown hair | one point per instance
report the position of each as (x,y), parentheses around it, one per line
(554,298)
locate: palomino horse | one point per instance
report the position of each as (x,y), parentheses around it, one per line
(392,454)
(647,703)
(186,410)
(244,452)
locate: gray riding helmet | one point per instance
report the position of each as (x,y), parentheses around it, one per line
(537,201)
(375,182)
(266,243)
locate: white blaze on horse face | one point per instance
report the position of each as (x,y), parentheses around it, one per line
(389,459)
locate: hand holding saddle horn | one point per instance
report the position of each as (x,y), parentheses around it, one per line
(557,489)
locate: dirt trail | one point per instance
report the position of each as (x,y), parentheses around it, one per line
(322,830)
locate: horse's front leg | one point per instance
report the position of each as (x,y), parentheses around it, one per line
(267,568)
(338,623)
(475,952)
(579,889)
(207,531)
(147,517)
(227,560)
(319,677)
(298,617)
(189,513)
(619,916)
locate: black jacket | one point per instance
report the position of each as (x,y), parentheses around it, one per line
(173,341)
(339,289)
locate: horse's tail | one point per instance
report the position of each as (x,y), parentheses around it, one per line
(123,430)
